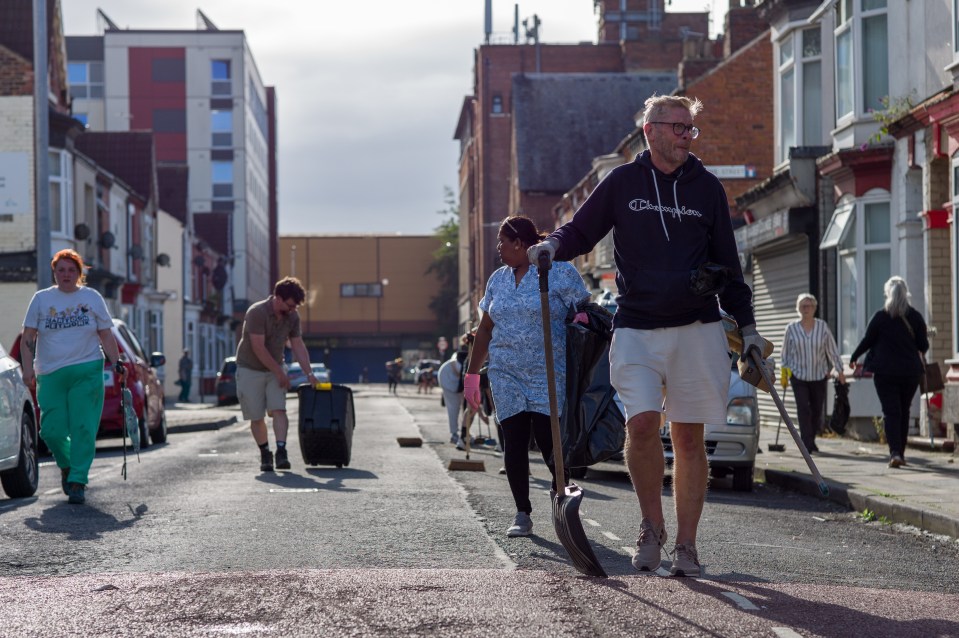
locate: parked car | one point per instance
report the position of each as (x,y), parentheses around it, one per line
(19,435)
(297,378)
(225,387)
(731,446)
(144,384)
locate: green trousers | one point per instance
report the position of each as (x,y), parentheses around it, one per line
(71,402)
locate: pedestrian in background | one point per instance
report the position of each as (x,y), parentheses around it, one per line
(394,370)
(261,379)
(675,252)
(450,378)
(185,376)
(66,332)
(895,338)
(511,334)
(809,351)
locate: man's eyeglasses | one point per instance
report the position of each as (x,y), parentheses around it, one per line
(679,128)
(290,304)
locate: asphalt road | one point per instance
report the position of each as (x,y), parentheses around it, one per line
(198,542)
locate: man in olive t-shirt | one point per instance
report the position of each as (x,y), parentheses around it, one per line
(261,380)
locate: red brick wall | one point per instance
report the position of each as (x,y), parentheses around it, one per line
(742,27)
(737,115)
(16,74)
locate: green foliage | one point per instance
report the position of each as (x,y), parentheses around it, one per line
(869,516)
(446,267)
(892,109)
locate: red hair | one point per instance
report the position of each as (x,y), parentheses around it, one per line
(74,256)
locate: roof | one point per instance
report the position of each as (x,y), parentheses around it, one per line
(127,154)
(16,25)
(173,189)
(562,121)
(214,229)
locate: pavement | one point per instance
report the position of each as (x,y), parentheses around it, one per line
(924,493)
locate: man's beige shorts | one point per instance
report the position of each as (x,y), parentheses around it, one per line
(683,371)
(259,393)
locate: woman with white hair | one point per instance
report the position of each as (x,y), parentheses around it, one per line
(895,337)
(810,352)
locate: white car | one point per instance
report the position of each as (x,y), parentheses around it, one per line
(296,376)
(731,446)
(19,436)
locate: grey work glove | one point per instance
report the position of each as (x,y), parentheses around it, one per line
(751,341)
(533,252)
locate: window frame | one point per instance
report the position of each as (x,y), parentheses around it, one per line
(853,28)
(61,204)
(798,65)
(214,182)
(858,249)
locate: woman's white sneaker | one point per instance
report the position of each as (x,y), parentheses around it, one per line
(522,525)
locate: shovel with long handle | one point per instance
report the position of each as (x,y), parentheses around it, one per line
(756,359)
(566,522)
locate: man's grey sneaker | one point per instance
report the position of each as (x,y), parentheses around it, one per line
(649,546)
(266,461)
(76,493)
(282,461)
(685,561)
(64,473)
(522,525)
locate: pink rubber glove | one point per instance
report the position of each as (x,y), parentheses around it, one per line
(581,317)
(471,390)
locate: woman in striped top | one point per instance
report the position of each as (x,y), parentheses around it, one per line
(810,352)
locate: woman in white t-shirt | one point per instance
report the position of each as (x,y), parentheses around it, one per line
(63,331)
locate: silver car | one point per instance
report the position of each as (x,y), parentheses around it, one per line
(19,467)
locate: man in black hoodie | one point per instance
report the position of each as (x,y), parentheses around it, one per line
(669,216)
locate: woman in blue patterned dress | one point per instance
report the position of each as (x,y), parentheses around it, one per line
(511,334)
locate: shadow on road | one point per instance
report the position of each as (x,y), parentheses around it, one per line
(82,522)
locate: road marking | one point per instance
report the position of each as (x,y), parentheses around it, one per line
(785,632)
(741,601)
(591,522)
(293,490)
(611,536)
(209,454)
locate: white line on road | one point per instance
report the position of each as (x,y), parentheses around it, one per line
(591,522)
(611,536)
(741,601)
(293,490)
(786,632)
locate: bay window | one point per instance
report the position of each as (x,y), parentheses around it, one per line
(862,57)
(800,91)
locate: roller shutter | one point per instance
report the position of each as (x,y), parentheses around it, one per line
(779,276)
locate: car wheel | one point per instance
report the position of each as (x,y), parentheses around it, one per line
(144,434)
(159,434)
(22,481)
(743,479)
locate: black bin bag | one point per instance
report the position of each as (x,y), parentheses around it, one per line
(593,428)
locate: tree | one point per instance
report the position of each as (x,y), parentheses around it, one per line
(446,267)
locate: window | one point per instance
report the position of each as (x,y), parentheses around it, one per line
(800,92)
(61,192)
(861,231)
(86,79)
(222,176)
(497,104)
(221,83)
(862,57)
(361,290)
(221,125)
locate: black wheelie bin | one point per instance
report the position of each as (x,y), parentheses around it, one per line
(326,423)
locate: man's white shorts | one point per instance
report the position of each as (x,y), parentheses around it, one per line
(683,371)
(259,393)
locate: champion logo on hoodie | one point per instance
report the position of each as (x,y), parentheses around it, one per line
(640,205)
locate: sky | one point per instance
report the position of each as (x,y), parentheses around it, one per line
(369,93)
